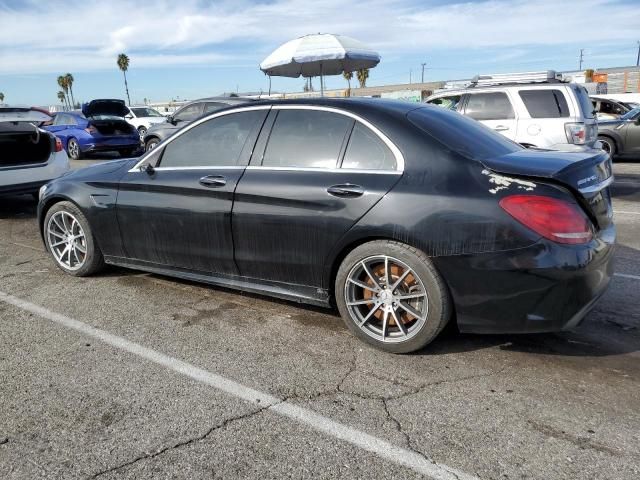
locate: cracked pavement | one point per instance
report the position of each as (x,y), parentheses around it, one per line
(546,406)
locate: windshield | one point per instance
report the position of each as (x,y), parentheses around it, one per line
(146,112)
(631,114)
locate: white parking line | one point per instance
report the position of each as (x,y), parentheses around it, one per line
(305,416)
(626,275)
(626,212)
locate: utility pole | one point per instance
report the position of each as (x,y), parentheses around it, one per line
(581,53)
(638,59)
(410,72)
(423,65)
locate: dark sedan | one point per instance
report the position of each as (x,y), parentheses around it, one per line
(621,137)
(405,216)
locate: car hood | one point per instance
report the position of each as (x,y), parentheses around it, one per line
(98,170)
(22,114)
(163,126)
(105,107)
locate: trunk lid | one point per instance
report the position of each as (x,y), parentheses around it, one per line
(105,107)
(23,114)
(586,174)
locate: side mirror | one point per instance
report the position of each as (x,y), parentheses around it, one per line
(128,117)
(148,169)
(172,120)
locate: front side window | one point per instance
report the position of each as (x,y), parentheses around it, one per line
(216,142)
(189,113)
(306,138)
(545,103)
(367,151)
(450,103)
(214,106)
(489,106)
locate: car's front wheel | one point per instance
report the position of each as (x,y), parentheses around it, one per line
(151,144)
(73,149)
(142,130)
(69,239)
(608,145)
(390,295)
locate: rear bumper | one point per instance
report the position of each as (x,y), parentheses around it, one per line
(542,288)
(111,147)
(29,178)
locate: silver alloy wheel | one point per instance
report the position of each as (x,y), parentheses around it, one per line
(606,146)
(73,148)
(151,145)
(142,131)
(67,240)
(386,299)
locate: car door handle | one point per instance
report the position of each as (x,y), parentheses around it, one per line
(213,181)
(500,128)
(346,190)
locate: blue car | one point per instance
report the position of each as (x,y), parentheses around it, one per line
(100,127)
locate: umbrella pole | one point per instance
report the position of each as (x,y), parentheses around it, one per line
(269,85)
(321,82)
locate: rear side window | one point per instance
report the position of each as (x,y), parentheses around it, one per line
(489,106)
(216,142)
(213,106)
(367,151)
(462,135)
(545,103)
(584,101)
(189,113)
(306,138)
(450,103)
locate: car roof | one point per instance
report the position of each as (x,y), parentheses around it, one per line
(475,88)
(348,104)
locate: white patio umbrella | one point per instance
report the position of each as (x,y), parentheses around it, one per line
(318,55)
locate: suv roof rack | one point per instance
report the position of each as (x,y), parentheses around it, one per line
(548,76)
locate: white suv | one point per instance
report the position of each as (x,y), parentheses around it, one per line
(142,117)
(535,110)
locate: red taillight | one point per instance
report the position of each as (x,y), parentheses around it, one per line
(555,219)
(58,145)
(91,130)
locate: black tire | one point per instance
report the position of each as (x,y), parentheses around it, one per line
(151,144)
(437,295)
(93,261)
(142,131)
(608,145)
(73,149)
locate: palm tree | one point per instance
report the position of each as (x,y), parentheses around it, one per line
(61,97)
(348,76)
(1,97)
(123,64)
(362,75)
(62,81)
(69,79)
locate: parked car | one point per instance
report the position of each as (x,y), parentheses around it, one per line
(608,109)
(621,137)
(535,110)
(186,114)
(99,127)
(142,117)
(30,156)
(405,216)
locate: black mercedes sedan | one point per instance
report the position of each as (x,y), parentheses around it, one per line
(405,216)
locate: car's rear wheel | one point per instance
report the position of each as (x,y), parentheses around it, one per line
(69,239)
(390,295)
(608,145)
(73,149)
(151,144)
(142,130)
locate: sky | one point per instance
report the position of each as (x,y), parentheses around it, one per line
(186,49)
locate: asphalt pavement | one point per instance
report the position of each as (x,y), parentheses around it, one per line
(133,375)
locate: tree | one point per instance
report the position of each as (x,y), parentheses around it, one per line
(62,82)
(61,96)
(348,76)
(123,64)
(69,79)
(1,97)
(362,75)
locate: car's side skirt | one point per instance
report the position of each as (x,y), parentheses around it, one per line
(294,293)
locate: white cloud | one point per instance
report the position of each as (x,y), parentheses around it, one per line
(83,36)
